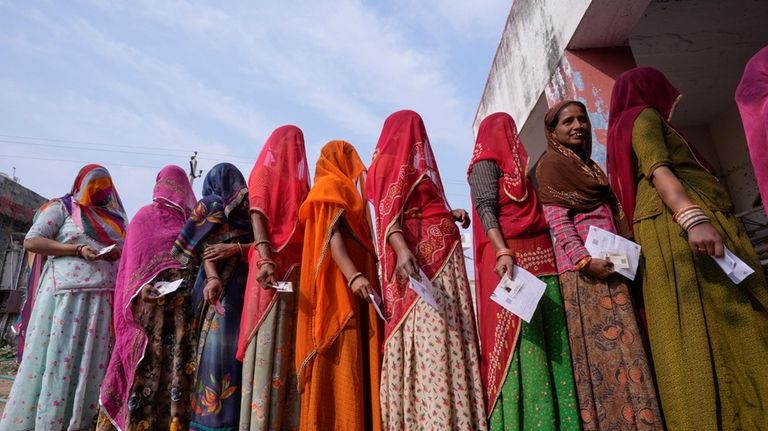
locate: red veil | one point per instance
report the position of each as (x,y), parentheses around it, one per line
(634,91)
(403,163)
(277,186)
(525,230)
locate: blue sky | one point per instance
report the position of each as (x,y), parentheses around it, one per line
(152,81)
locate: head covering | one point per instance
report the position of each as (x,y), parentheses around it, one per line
(574,181)
(752,99)
(222,206)
(497,140)
(403,158)
(634,91)
(525,231)
(279,182)
(404,184)
(326,303)
(277,186)
(146,254)
(95,206)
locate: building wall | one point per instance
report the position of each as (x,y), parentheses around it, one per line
(17,208)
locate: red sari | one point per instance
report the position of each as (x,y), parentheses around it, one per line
(430,375)
(526,233)
(277,186)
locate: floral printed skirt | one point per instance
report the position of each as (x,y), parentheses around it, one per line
(431,367)
(164,377)
(66,353)
(270,399)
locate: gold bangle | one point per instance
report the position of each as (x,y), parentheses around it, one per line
(583,263)
(354,277)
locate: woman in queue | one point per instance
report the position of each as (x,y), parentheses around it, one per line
(338,331)
(218,233)
(708,335)
(430,375)
(150,375)
(277,186)
(69,337)
(526,367)
(614,383)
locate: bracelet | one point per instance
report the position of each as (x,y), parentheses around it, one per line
(354,277)
(263,241)
(583,263)
(264,261)
(240,246)
(696,221)
(391,231)
(676,216)
(213,277)
(79,250)
(504,252)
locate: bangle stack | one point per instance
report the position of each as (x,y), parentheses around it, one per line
(583,263)
(504,252)
(265,261)
(689,217)
(354,277)
(79,250)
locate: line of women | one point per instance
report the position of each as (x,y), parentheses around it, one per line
(292,310)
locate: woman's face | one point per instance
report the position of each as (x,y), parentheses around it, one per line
(572,128)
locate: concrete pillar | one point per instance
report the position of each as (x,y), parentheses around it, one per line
(587,75)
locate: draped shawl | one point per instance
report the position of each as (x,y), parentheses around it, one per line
(277,186)
(325,302)
(402,162)
(525,230)
(146,253)
(574,181)
(752,99)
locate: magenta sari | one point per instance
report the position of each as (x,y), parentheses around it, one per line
(146,253)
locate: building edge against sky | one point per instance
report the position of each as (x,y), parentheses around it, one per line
(556,49)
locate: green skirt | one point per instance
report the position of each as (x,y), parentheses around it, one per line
(539,391)
(708,336)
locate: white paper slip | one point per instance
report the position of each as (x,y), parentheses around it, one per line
(106,250)
(623,253)
(423,288)
(282,286)
(733,267)
(166,287)
(376,301)
(520,295)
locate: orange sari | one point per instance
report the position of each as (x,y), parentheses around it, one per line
(338,334)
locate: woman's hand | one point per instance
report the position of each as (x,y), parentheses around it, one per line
(149,293)
(704,239)
(212,289)
(599,268)
(406,265)
(112,256)
(362,288)
(89,253)
(220,251)
(461,216)
(266,275)
(504,265)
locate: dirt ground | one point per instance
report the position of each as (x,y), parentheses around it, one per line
(8,367)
